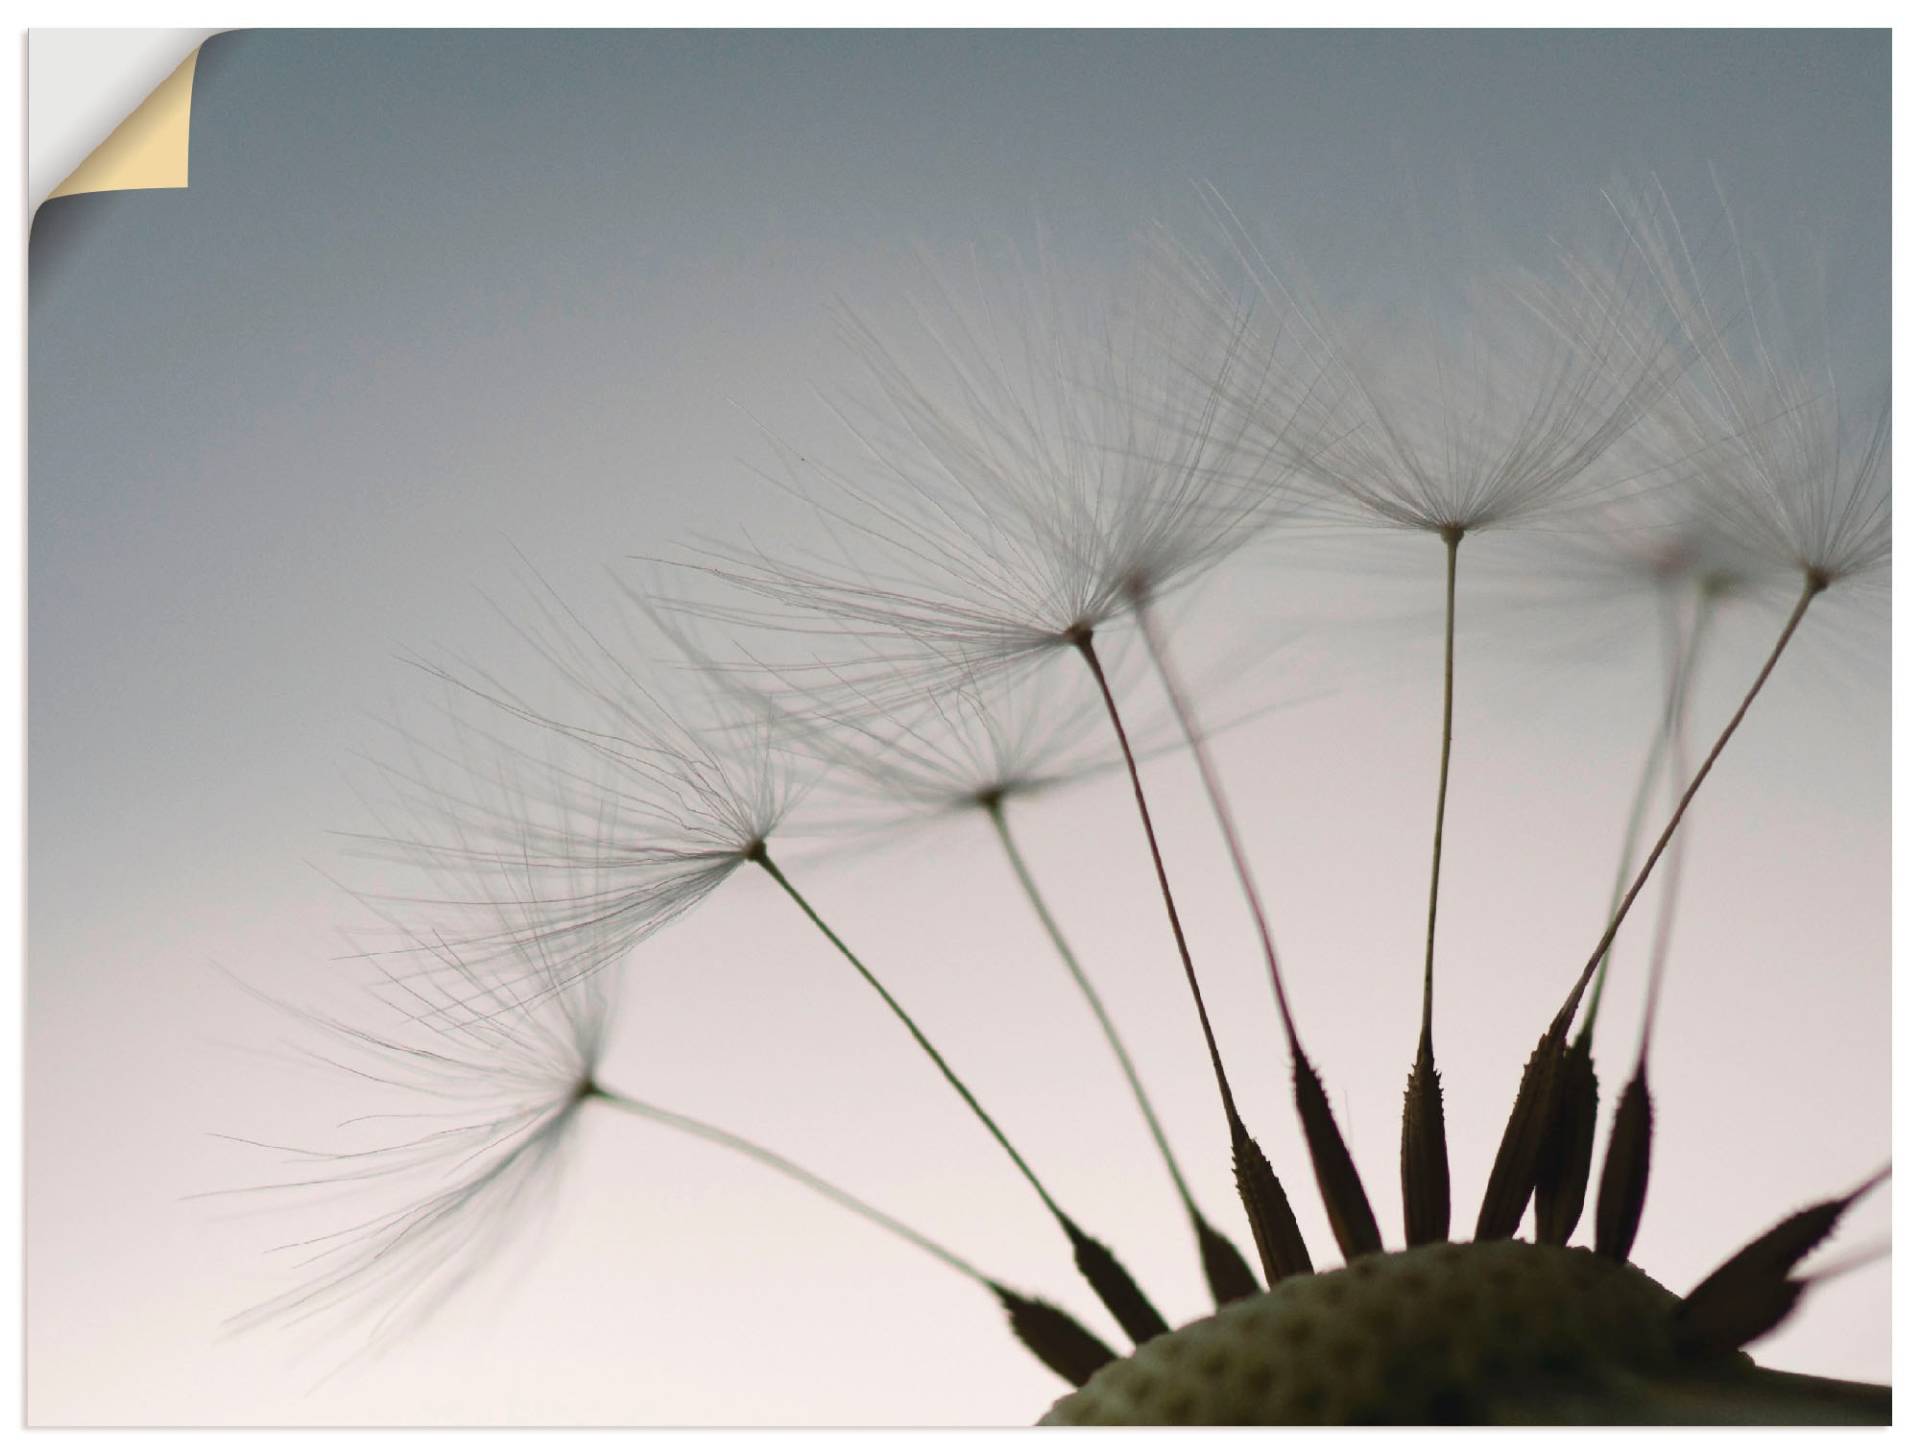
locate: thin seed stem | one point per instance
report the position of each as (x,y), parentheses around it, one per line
(1113,1283)
(772,1160)
(1426,1184)
(1681,656)
(1276,1233)
(1670,884)
(765,860)
(997,814)
(1216,795)
(1814,585)
(1085,644)
(1452,539)
(1637,815)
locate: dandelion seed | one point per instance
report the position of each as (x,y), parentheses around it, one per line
(1276,1232)
(1627,1167)
(1671,563)
(501,1092)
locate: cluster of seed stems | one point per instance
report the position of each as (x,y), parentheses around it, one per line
(1544,1153)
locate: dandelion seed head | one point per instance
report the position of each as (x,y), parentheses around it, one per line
(483,1076)
(1761,431)
(607,812)
(1030,465)
(1489,405)
(1809,490)
(976,748)
(890,763)
(1656,546)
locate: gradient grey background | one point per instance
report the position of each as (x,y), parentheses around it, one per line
(434,296)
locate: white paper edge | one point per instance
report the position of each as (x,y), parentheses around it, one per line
(81,84)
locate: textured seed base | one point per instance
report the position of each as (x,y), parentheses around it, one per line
(1445,1333)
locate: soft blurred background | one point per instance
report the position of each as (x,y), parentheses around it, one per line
(435,298)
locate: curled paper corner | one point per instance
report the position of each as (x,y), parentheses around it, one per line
(147,150)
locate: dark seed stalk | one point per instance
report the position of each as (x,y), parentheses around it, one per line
(1275,1230)
(1228,1276)
(1452,540)
(1341,1191)
(1102,1270)
(1426,1188)
(1055,1337)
